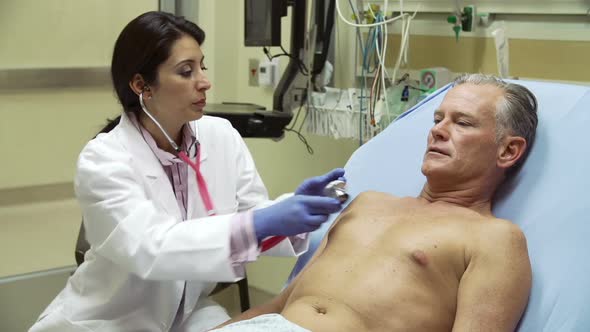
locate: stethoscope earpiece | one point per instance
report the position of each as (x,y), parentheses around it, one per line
(170,140)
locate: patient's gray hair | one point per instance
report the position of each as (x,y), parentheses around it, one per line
(515,115)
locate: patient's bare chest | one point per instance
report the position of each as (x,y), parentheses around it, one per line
(404,231)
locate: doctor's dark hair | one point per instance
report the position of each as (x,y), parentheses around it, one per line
(516,114)
(143,45)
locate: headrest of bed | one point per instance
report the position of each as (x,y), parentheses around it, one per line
(547,198)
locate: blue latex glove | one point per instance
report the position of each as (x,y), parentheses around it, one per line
(294,215)
(315,186)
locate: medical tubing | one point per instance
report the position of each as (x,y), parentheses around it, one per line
(157,123)
(379,77)
(358,32)
(182,155)
(363,84)
(271,242)
(393,19)
(266,244)
(404,41)
(384,73)
(200,181)
(365,68)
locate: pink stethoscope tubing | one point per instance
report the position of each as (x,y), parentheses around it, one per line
(200,180)
(196,166)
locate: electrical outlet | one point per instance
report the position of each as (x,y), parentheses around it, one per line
(253,72)
(268,73)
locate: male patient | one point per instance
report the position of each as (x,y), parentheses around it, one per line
(438,262)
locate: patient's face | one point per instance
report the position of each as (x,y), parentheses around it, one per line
(461,144)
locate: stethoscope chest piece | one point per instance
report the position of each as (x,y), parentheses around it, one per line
(337,189)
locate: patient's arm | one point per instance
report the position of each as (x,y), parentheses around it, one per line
(494,289)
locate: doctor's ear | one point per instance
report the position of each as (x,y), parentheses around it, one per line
(138,85)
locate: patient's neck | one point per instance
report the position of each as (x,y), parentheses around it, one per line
(475,197)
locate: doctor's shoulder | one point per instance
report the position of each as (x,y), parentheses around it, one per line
(101,153)
(213,123)
(216,129)
(104,145)
(106,169)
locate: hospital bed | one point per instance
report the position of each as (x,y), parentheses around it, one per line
(548,198)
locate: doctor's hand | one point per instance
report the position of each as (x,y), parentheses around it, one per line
(315,186)
(295,215)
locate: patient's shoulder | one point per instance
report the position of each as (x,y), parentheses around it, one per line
(501,233)
(503,227)
(368,199)
(373,195)
(501,252)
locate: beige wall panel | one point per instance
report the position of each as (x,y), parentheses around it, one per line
(541,59)
(550,59)
(43,131)
(63,33)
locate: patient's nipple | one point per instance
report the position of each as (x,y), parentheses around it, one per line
(419,257)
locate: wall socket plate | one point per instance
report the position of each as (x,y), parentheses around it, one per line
(253,72)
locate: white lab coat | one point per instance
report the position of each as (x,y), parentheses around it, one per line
(141,253)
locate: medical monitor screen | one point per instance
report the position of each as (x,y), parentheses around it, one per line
(263,22)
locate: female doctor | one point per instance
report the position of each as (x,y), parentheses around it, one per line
(168,197)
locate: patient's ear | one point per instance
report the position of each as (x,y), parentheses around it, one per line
(510,151)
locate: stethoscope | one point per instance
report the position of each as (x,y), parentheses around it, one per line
(202,184)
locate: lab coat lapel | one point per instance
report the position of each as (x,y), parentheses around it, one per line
(150,167)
